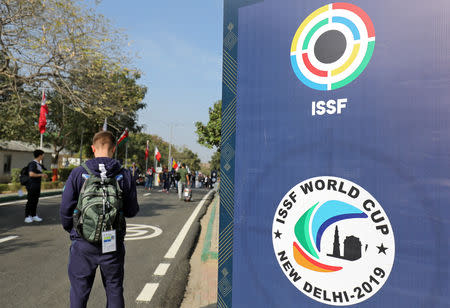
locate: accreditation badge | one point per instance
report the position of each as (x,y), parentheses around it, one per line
(109,241)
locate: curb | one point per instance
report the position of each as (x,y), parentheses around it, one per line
(24,197)
(207,253)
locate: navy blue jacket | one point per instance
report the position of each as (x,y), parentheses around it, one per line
(75,182)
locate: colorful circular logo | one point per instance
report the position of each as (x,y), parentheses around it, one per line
(333,241)
(332,46)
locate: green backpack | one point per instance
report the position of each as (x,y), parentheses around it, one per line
(99,207)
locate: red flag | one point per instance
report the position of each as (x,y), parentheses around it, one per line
(123,137)
(146,151)
(43,114)
(157,154)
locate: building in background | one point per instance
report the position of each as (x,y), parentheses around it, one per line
(17,154)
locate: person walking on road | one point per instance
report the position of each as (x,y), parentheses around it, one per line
(184,180)
(34,186)
(102,174)
(149,178)
(166,180)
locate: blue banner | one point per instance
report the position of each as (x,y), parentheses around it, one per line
(335,185)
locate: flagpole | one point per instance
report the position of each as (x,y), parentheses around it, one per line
(146,158)
(42,139)
(126,154)
(170,149)
(117,147)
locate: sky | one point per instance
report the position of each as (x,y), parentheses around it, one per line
(179,51)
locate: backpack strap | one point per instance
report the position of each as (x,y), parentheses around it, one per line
(83,164)
(119,177)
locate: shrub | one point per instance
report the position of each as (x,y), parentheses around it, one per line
(52,185)
(15,175)
(49,174)
(14,186)
(65,172)
(4,187)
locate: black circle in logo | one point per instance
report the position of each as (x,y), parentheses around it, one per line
(330,46)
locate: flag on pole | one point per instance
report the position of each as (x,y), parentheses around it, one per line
(105,125)
(123,137)
(43,114)
(157,154)
(146,151)
(174,164)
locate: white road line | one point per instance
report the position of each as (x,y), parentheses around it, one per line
(161,270)
(149,289)
(8,238)
(25,200)
(147,292)
(147,194)
(172,252)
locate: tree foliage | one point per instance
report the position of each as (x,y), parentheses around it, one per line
(76,55)
(136,152)
(215,161)
(209,134)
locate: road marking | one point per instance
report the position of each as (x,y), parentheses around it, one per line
(8,238)
(171,253)
(147,194)
(138,232)
(149,289)
(161,270)
(147,292)
(25,200)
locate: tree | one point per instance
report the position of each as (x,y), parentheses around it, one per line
(68,49)
(188,157)
(209,135)
(215,161)
(136,151)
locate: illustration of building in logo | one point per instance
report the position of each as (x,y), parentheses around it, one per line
(326,214)
(333,241)
(332,46)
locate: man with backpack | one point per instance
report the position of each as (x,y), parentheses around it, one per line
(183,182)
(97,197)
(33,176)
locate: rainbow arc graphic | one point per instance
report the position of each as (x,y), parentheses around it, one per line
(310,228)
(359,32)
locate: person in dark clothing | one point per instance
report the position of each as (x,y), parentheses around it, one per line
(85,256)
(172,180)
(166,179)
(34,186)
(149,178)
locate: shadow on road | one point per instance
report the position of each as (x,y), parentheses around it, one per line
(14,245)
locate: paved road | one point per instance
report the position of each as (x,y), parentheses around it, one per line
(33,265)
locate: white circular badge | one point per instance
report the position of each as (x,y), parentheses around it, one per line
(333,241)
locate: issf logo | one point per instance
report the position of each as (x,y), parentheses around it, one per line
(332,46)
(333,241)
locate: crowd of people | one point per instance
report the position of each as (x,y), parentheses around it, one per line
(170,179)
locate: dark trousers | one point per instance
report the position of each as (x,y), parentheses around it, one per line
(83,261)
(166,185)
(34,192)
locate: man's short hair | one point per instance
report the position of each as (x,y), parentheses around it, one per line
(184,165)
(104,138)
(37,153)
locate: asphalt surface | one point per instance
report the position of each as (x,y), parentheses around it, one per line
(33,265)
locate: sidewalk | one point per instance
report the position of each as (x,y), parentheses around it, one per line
(201,291)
